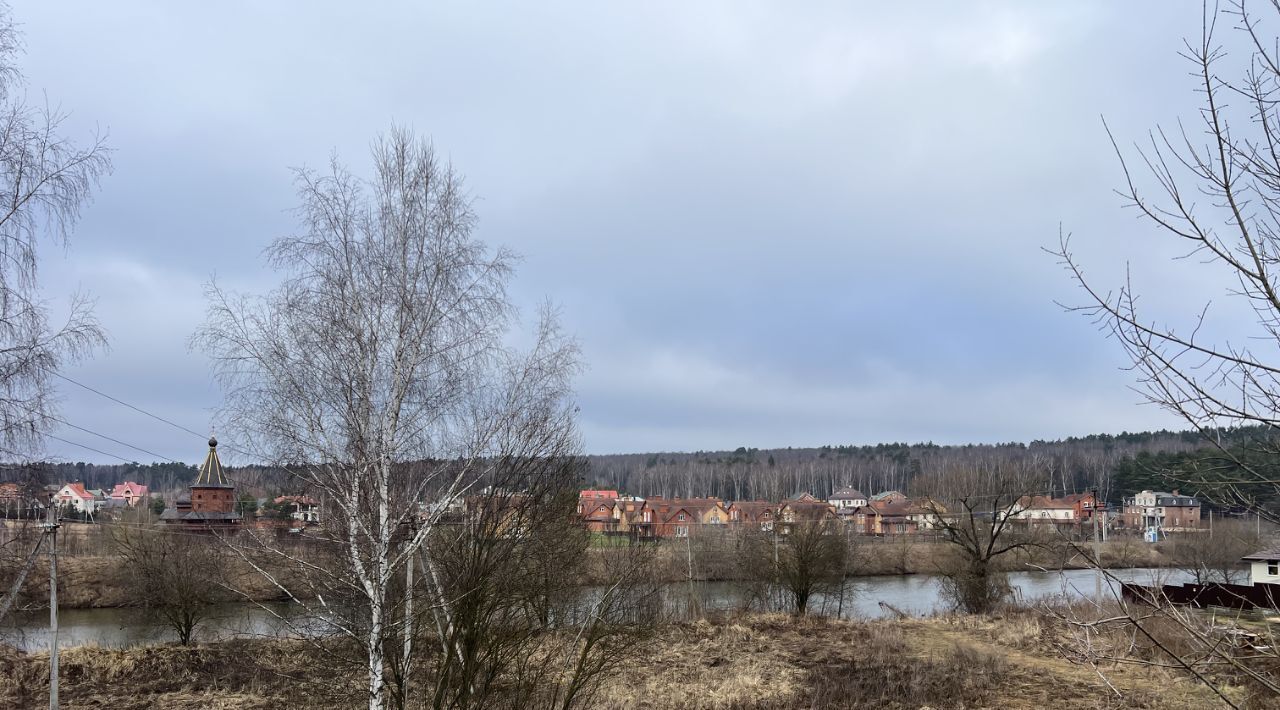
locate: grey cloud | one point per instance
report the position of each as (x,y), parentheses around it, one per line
(800,224)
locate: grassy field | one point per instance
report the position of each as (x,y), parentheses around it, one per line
(752,661)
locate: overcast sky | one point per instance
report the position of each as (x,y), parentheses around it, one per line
(768,224)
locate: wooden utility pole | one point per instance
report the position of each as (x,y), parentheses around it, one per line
(51,529)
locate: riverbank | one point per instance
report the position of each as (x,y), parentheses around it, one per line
(102,581)
(748,661)
(713,559)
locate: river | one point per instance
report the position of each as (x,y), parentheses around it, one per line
(913,594)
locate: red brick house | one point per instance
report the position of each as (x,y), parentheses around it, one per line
(893,516)
(803,508)
(681,517)
(759,513)
(599,514)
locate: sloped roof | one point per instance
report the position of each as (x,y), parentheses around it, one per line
(77,490)
(847,493)
(121,490)
(892,507)
(193,516)
(598,509)
(1043,503)
(887,495)
(1271,553)
(300,500)
(754,510)
(211,472)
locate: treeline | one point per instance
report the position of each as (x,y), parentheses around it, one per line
(1117,465)
(159,477)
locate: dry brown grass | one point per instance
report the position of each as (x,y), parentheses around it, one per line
(734,662)
(247,674)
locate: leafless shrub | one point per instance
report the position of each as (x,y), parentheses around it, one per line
(179,575)
(806,562)
(975,510)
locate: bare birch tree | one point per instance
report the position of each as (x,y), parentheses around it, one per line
(45,179)
(1214,186)
(378,374)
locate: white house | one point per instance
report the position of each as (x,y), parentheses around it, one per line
(847,498)
(1264,566)
(73,495)
(1042,509)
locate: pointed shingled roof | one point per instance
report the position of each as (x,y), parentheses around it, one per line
(211,473)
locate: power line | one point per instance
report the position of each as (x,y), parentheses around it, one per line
(89,448)
(114,440)
(121,402)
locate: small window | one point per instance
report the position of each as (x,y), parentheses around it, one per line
(680,517)
(1273,567)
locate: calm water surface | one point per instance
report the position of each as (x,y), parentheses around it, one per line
(913,594)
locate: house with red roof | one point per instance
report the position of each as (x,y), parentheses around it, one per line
(600,514)
(804,508)
(130,493)
(759,513)
(681,517)
(74,496)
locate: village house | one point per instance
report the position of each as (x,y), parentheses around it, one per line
(759,513)
(1042,509)
(891,516)
(1085,506)
(600,514)
(801,509)
(1264,566)
(129,492)
(888,497)
(596,510)
(1161,512)
(73,496)
(211,503)
(682,517)
(926,513)
(847,497)
(629,516)
(302,510)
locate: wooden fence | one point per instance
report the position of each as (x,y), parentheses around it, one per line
(1229,596)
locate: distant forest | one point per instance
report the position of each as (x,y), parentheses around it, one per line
(1118,465)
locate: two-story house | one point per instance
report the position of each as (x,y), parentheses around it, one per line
(75,497)
(1161,512)
(759,513)
(847,497)
(129,492)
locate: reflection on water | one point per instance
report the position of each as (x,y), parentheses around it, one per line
(913,594)
(131,627)
(919,595)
